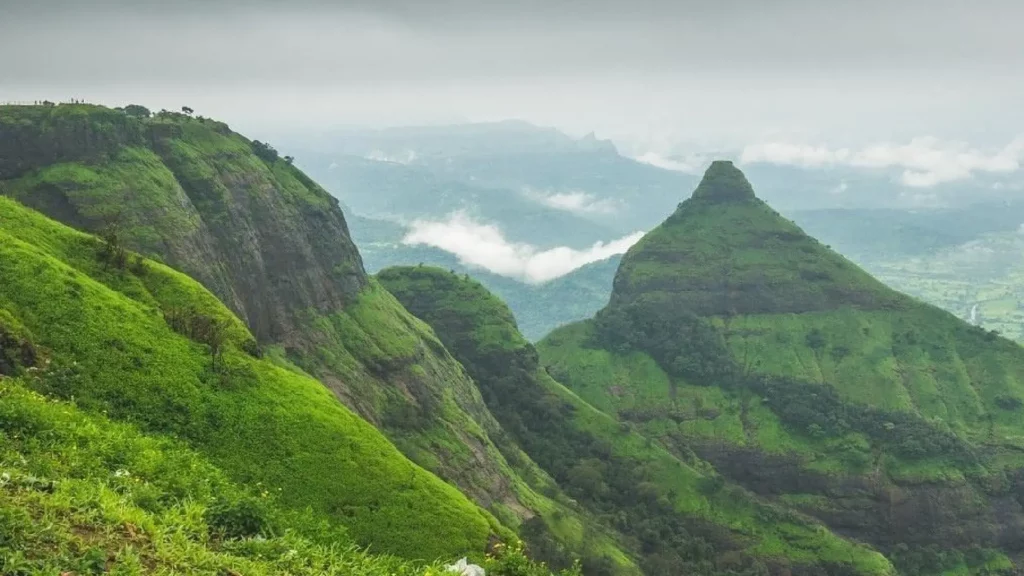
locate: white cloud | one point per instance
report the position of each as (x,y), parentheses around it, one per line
(407,157)
(925,161)
(691,164)
(575,201)
(485,246)
(793,155)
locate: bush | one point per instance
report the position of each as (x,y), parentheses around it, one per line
(199,327)
(242,518)
(683,344)
(264,151)
(511,560)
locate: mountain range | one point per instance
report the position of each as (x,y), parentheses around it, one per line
(199,375)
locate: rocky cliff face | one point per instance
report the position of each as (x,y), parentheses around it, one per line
(267,240)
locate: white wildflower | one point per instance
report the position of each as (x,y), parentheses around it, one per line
(464,568)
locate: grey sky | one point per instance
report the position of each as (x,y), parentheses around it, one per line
(719,72)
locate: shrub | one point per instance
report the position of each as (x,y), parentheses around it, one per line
(244,517)
(1007,402)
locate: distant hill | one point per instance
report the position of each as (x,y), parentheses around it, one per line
(538,308)
(512,159)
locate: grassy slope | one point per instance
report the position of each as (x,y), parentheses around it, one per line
(909,364)
(480,331)
(495,328)
(725,252)
(273,245)
(874,345)
(257,421)
(81,493)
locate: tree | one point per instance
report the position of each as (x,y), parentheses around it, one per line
(112,251)
(200,327)
(187,110)
(289,159)
(264,151)
(137,111)
(815,339)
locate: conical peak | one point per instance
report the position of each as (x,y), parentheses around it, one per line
(724,182)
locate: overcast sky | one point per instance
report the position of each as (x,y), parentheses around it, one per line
(713,72)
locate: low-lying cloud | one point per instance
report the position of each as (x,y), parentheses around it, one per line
(692,164)
(925,162)
(576,201)
(484,246)
(407,157)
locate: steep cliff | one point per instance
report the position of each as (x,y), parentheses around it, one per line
(275,248)
(149,347)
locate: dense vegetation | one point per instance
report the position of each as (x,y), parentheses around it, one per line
(676,519)
(111,349)
(825,391)
(82,494)
(745,397)
(274,247)
(724,252)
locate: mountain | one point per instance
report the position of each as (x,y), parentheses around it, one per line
(149,347)
(674,512)
(733,334)
(725,252)
(274,247)
(238,218)
(406,193)
(586,178)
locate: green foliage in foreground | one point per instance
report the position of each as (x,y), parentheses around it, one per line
(82,494)
(678,517)
(257,421)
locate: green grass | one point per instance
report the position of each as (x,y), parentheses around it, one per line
(984,272)
(725,252)
(255,420)
(467,318)
(82,494)
(274,247)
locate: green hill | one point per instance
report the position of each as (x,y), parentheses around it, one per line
(673,513)
(274,247)
(732,333)
(80,494)
(725,252)
(539,308)
(127,343)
